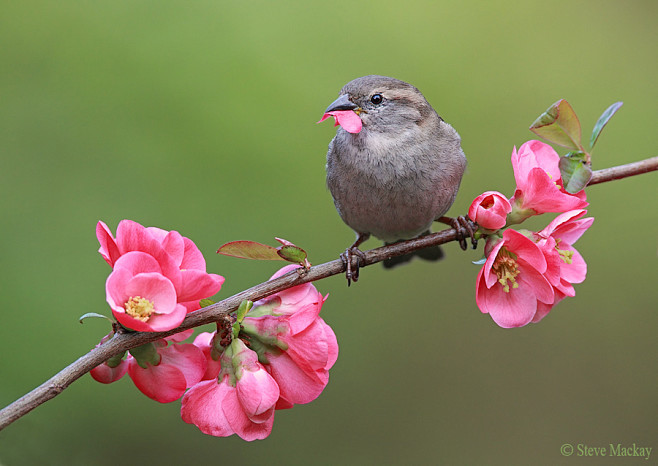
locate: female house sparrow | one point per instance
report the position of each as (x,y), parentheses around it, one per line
(397,174)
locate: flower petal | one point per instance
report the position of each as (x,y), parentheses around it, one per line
(295,384)
(529,278)
(192,257)
(138,262)
(202,406)
(258,393)
(161,322)
(188,359)
(240,423)
(106,374)
(525,249)
(163,383)
(156,288)
(513,309)
(576,272)
(490,278)
(109,249)
(347,119)
(197,284)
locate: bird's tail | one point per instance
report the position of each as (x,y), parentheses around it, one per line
(433,253)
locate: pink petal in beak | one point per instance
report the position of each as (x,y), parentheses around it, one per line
(347,119)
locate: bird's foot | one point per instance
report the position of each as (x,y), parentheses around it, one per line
(352,258)
(465,228)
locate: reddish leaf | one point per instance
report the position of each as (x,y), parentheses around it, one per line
(250,250)
(559,125)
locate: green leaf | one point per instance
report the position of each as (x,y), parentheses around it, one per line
(236,330)
(575,172)
(603,120)
(559,125)
(94,315)
(244,307)
(250,250)
(206,302)
(292,253)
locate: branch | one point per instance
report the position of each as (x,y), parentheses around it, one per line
(125,340)
(624,171)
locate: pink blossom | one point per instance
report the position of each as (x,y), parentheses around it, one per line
(291,350)
(300,348)
(141,297)
(347,119)
(180,367)
(241,402)
(539,186)
(556,242)
(180,260)
(489,210)
(512,281)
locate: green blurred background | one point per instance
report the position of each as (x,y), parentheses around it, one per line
(200,117)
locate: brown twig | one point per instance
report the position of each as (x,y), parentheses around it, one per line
(624,171)
(125,340)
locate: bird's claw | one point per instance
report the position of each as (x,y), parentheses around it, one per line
(465,228)
(352,258)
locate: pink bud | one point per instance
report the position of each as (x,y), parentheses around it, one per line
(489,210)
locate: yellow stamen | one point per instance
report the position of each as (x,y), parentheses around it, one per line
(565,254)
(139,308)
(506,268)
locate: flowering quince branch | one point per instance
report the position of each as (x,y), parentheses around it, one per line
(271,349)
(123,340)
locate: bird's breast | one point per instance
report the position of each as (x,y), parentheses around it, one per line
(389,187)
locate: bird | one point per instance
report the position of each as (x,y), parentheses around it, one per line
(394,172)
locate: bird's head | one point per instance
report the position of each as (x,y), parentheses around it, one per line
(380,103)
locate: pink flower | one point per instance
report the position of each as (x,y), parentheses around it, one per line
(160,370)
(489,210)
(512,281)
(556,242)
(299,348)
(347,119)
(241,402)
(539,186)
(142,298)
(291,350)
(180,367)
(179,259)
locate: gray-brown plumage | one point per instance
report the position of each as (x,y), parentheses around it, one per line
(401,171)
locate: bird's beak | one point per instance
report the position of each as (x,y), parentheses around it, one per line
(341,103)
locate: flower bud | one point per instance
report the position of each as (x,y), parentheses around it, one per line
(489,210)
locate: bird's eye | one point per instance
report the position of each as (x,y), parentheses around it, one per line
(376,99)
